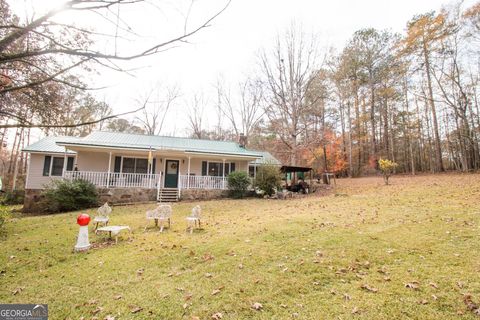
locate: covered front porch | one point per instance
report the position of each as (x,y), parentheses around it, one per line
(147,180)
(153,169)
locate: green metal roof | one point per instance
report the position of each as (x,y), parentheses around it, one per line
(267,158)
(49,145)
(142,142)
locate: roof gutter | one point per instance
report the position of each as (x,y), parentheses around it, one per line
(66,144)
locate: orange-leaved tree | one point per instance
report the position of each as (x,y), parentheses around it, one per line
(330,155)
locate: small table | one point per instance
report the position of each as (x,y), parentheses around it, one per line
(113,231)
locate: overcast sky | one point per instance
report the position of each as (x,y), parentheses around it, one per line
(230,46)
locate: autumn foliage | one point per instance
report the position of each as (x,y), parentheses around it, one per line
(330,156)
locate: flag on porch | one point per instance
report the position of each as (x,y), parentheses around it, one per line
(150,157)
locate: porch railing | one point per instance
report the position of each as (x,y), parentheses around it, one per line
(202,182)
(115,179)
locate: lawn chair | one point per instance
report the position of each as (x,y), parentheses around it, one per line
(161,214)
(194,219)
(102,215)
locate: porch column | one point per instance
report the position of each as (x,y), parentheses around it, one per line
(188,173)
(254,171)
(64,163)
(109,168)
(223,175)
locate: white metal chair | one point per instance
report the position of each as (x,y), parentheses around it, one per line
(162,214)
(102,215)
(194,219)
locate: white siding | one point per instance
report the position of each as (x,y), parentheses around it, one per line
(93,161)
(36,180)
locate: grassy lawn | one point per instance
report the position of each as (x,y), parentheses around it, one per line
(368,251)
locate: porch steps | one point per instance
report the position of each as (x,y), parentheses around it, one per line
(167,195)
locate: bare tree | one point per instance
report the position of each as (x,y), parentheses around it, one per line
(195,116)
(155,106)
(244,110)
(38,57)
(288,71)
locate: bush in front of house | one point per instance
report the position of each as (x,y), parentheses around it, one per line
(12,197)
(238,182)
(65,195)
(268,179)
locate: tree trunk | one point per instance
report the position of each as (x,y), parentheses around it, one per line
(437,144)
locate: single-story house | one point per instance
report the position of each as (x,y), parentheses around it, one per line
(132,167)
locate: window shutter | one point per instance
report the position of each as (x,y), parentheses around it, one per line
(154,165)
(204,168)
(232,166)
(70,163)
(118,162)
(46,165)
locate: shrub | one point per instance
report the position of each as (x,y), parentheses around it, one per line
(387,167)
(13,197)
(238,182)
(4,215)
(268,179)
(65,195)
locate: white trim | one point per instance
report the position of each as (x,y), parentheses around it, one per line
(109,168)
(28,171)
(188,173)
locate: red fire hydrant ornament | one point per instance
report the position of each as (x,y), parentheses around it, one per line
(82,241)
(83,219)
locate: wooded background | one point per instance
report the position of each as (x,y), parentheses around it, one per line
(411,98)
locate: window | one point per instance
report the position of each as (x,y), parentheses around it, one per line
(141,165)
(215,169)
(135,165)
(251,171)
(57,166)
(53,166)
(128,165)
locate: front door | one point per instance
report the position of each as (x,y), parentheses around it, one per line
(171,173)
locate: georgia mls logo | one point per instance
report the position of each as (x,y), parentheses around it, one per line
(39,311)
(23,312)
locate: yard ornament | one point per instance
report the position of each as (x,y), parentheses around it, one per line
(82,241)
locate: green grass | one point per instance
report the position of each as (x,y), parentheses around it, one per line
(303,258)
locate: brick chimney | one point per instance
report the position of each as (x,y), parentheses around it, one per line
(242,140)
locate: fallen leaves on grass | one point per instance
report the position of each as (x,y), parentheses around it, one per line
(118,297)
(257,306)
(136,309)
(471,306)
(97,310)
(368,288)
(217,316)
(207,257)
(355,310)
(217,291)
(433,284)
(109,317)
(17,290)
(412,285)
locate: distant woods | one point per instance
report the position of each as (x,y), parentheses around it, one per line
(412,98)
